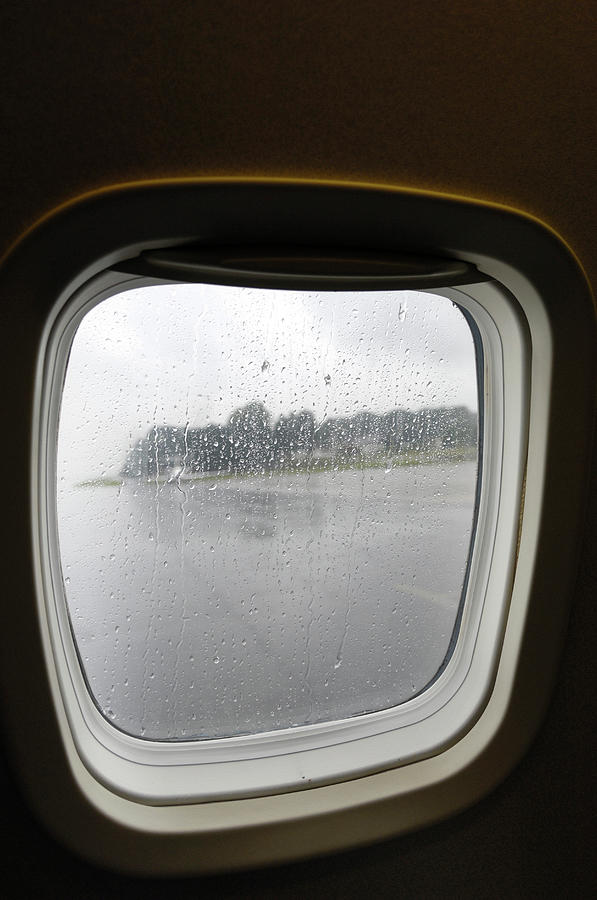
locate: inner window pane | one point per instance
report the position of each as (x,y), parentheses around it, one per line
(265,502)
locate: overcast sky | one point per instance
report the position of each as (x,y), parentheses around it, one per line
(190,354)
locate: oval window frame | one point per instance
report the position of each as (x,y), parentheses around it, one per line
(536,268)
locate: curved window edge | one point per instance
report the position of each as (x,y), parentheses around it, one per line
(157,773)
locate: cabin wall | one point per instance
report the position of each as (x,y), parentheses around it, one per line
(489,100)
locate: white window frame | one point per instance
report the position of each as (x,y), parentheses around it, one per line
(397,769)
(158,772)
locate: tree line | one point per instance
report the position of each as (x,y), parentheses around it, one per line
(251,442)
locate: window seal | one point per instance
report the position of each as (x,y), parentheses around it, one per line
(157,773)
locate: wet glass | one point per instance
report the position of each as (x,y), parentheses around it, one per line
(265,502)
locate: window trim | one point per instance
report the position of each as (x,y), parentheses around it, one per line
(155,772)
(64,252)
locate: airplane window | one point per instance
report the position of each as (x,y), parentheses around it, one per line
(265,503)
(297,532)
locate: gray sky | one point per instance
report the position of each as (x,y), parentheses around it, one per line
(178,354)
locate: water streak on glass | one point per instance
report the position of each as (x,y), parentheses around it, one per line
(265,502)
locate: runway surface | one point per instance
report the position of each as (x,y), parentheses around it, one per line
(220,607)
